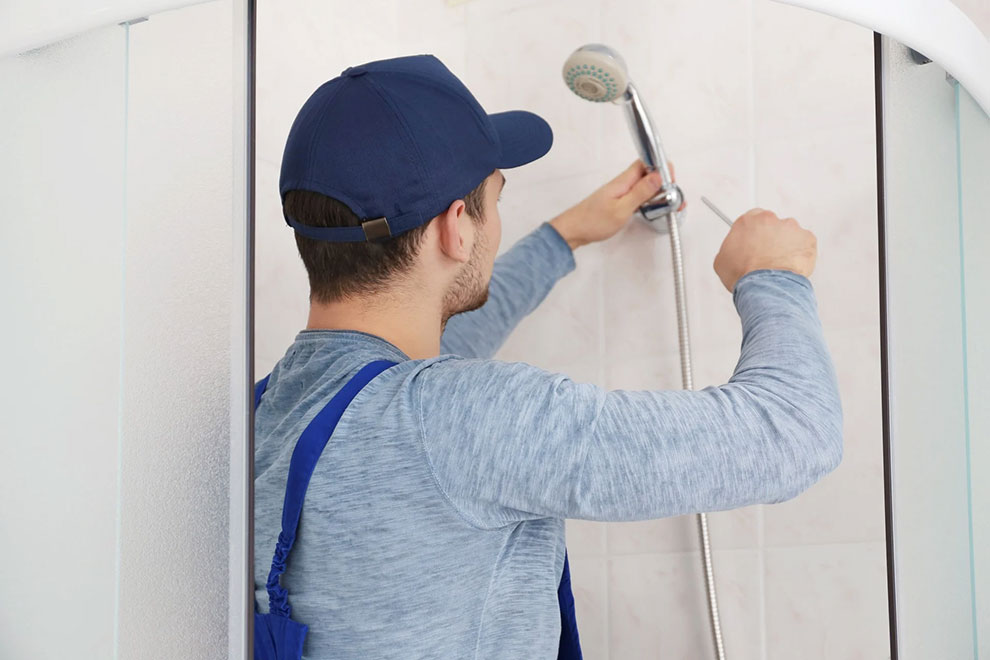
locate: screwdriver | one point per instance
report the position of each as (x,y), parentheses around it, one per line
(714,208)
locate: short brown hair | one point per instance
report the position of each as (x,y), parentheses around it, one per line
(342,270)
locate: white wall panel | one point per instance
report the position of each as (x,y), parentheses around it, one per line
(61,221)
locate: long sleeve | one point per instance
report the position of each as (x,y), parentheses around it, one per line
(509,441)
(521,278)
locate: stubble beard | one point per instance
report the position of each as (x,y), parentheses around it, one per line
(469,290)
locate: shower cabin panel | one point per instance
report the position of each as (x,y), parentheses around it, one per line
(934,173)
(973,133)
(182,454)
(124,192)
(61,203)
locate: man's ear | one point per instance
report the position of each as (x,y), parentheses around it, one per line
(453,243)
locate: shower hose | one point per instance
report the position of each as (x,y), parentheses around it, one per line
(684,341)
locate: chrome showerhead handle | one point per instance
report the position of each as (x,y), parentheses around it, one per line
(644,135)
(647,141)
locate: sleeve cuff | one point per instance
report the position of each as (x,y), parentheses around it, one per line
(772,273)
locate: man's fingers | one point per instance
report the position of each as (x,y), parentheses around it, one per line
(623,186)
(626,179)
(644,189)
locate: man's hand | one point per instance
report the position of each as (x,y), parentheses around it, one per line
(759,239)
(603,213)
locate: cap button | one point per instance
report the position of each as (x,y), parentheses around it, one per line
(355,71)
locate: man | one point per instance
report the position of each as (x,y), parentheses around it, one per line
(433,526)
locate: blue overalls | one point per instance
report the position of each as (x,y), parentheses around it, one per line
(276,635)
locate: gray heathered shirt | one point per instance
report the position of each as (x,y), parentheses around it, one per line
(433,526)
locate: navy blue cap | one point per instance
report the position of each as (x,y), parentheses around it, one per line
(398,141)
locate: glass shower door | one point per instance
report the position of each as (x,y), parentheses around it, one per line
(973,146)
(935,207)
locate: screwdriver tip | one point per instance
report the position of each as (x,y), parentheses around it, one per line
(716,210)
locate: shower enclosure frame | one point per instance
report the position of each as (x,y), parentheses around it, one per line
(884,343)
(241,624)
(244,413)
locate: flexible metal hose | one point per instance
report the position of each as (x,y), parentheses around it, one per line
(684,340)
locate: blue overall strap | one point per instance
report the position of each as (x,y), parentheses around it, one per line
(301,465)
(570,645)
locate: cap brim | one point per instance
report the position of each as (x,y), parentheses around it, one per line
(524,137)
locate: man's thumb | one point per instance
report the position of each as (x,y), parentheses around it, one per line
(643,190)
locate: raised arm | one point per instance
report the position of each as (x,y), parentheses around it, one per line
(521,278)
(524,275)
(523,443)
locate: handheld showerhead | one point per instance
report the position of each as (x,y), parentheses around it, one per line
(596,73)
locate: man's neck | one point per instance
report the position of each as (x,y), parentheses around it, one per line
(414,329)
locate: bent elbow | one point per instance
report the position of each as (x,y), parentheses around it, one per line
(822,431)
(832,438)
(831,451)
(826,454)
(821,454)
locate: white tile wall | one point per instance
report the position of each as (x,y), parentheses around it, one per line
(826,601)
(657,605)
(758,104)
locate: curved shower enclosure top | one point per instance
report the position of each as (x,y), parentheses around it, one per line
(936,28)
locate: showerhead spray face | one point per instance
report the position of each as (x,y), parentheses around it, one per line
(596,73)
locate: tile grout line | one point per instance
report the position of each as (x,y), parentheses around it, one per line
(607,594)
(601,380)
(118,522)
(694,551)
(965,375)
(761,561)
(762,568)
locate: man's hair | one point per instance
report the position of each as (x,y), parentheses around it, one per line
(343,270)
